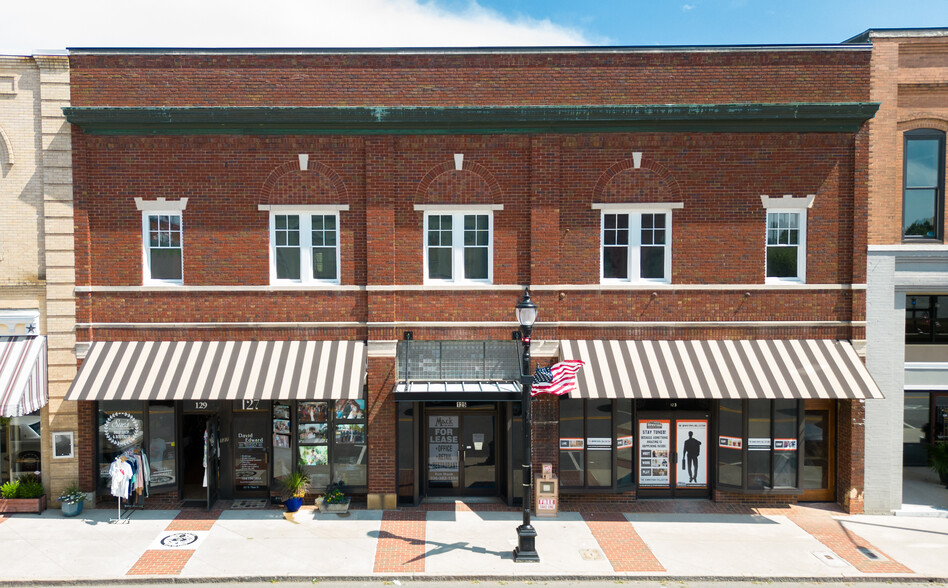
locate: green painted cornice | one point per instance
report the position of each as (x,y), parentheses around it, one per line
(384,120)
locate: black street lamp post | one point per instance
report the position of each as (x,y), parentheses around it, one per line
(526,550)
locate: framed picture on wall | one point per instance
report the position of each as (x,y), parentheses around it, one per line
(63,446)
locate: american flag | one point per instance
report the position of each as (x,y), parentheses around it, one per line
(559,379)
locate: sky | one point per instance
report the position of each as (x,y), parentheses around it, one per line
(33,26)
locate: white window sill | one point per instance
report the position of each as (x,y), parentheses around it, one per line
(784,281)
(171,283)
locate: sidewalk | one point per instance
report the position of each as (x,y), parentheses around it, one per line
(658,539)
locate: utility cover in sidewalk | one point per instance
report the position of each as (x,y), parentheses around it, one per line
(590,554)
(871,554)
(830,559)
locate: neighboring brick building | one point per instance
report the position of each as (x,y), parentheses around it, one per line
(907,314)
(37,308)
(690,221)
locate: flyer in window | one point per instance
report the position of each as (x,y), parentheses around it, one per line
(350,409)
(314,412)
(281,411)
(350,434)
(314,456)
(281,441)
(281,426)
(654,445)
(314,433)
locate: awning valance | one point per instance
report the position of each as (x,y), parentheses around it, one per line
(757,369)
(221,370)
(457,391)
(22,375)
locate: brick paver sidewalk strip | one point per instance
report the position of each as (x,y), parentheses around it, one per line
(194,520)
(160,562)
(844,543)
(401,544)
(621,545)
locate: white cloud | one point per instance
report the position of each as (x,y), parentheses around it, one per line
(57,24)
(687,7)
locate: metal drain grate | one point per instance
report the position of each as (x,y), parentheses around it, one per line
(590,554)
(871,554)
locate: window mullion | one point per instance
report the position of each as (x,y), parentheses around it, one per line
(635,247)
(306,248)
(457,247)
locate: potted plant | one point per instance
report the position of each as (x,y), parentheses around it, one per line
(938,460)
(295,486)
(335,499)
(23,495)
(72,499)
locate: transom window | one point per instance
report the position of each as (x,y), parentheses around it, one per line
(304,247)
(458,247)
(923,198)
(163,249)
(636,246)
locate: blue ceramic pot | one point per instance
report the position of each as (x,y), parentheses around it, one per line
(71,510)
(293,504)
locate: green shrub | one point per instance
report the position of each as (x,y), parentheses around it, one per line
(30,487)
(10,489)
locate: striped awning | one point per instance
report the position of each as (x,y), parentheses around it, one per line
(756,369)
(221,370)
(22,375)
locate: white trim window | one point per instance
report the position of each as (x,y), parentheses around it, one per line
(459,244)
(163,248)
(785,259)
(304,246)
(635,244)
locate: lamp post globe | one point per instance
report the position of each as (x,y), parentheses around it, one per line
(526,535)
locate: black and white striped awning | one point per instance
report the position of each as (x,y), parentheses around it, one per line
(221,370)
(757,369)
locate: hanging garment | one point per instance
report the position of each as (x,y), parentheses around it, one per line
(120,473)
(205,457)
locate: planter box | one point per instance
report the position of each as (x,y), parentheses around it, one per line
(23,505)
(339,508)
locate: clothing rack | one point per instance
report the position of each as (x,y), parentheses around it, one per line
(125,456)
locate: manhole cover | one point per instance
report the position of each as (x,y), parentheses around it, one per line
(590,554)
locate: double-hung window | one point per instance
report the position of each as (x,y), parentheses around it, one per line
(923,195)
(458,243)
(162,245)
(636,242)
(786,238)
(304,244)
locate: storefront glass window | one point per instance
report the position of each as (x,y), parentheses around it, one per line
(625,433)
(406,450)
(572,440)
(349,452)
(599,443)
(758,444)
(161,444)
(730,443)
(786,431)
(313,440)
(282,441)
(20,446)
(121,428)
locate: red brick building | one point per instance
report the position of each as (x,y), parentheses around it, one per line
(310,259)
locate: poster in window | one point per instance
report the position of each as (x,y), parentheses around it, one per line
(692,441)
(281,411)
(281,426)
(314,456)
(654,447)
(314,433)
(351,434)
(350,410)
(281,441)
(624,442)
(314,412)
(443,462)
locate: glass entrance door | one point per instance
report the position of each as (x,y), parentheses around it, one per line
(461,454)
(819,451)
(673,455)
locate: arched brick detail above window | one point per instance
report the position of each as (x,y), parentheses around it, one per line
(443,184)
(651,182)
(6,149)
(319,184)
(911,124)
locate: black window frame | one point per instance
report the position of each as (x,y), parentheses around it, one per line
(615,486)
(937,311)
(745,488)
(939,220)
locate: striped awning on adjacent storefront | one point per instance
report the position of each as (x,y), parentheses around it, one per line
(221,370)
(22,375)
(757,369)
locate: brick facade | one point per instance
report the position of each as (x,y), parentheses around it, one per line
(547,234)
